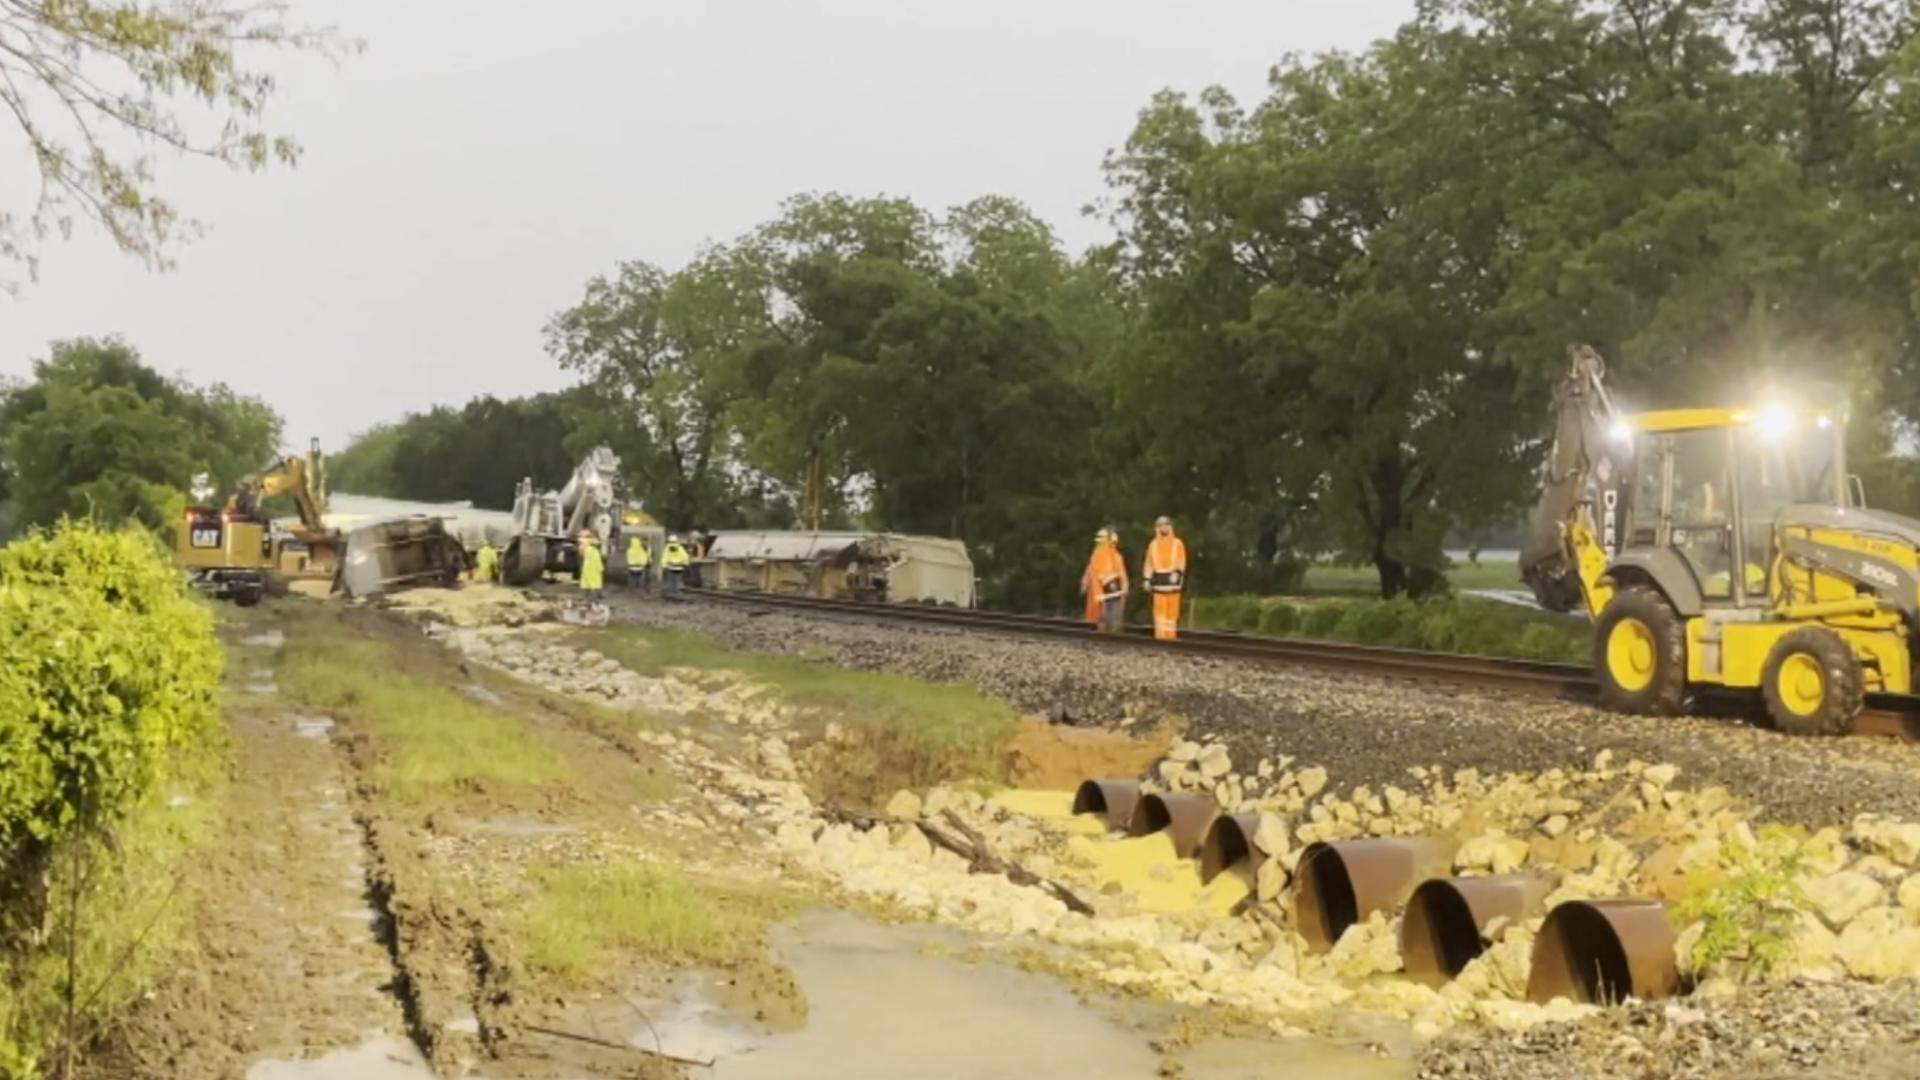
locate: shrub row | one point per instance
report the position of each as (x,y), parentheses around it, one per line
(1462,625)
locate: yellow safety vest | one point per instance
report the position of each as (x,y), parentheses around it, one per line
(676,557)
(638,553)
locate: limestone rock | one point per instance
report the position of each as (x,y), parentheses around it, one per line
(1172,772)
(1661,775)
(1272,835)
(1897,840)
(1184,751)
(1880,943)
(1814,952)
(1312,781)
(1493,853)
(905,805)
(1270,881)
(1555,825)
(1365,950)
(1840,897)
(1909,897)
(1215,763)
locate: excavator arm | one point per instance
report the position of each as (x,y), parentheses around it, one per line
(300,477)
(1565,556)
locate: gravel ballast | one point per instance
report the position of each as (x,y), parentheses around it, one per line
(1362,730)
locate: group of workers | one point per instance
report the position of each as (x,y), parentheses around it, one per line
(674,561)
(1164,570)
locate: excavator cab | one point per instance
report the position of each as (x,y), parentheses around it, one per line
(1726,548)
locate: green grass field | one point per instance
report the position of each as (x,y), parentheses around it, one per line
(1328,579)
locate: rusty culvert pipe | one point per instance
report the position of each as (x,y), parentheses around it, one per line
(1342,883)
(1604,951)
(1447,919)
(1185,817)
(1113,800)
(1229,842)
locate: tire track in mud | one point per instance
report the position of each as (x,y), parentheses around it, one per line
(422,940)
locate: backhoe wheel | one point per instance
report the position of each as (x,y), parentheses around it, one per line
(1813,683)
(1640,653)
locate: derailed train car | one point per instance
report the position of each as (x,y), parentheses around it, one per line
(876,567)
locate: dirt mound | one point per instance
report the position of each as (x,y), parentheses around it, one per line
(1052,757)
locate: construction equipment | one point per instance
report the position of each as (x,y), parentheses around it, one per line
(1723,547)
(230,551)
(400,553)
(547,525)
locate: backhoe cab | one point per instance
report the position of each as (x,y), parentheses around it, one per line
(1724,547)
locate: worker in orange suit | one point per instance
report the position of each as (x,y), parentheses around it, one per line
(1105,583)
(1165,573)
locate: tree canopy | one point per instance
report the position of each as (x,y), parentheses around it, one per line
(96,433)
(95,87)
(1331,317)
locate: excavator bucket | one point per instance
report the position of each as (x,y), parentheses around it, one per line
(402,553)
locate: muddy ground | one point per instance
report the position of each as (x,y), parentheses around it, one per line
(372,902)
(347,927)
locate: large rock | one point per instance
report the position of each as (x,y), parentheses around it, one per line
(1815,950)
(1215,762)
(1273,836)
(1184,751)
(1909,897)
(1880,943)
(904,805)
(1839,897)
(1313,781)
(1897,840)
(1271,880)
(1492,852)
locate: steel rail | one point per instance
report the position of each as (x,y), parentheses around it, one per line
(1888,715)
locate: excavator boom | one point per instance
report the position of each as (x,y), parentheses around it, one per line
(1582,471)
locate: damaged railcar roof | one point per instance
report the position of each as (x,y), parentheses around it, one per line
(821,546)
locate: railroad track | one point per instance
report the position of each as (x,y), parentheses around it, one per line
(1886,715)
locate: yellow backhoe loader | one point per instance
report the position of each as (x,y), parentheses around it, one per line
(1723,547)
(229,551)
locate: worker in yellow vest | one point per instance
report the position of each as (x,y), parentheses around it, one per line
(1165,573)
(486,564)
(675,563)
(593,566)
(639,561)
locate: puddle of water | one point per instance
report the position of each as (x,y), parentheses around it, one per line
(379,1058)
(271,639)
(312,727)
(880,1007)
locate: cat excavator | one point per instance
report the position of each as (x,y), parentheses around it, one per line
(229,551)
(1723,547)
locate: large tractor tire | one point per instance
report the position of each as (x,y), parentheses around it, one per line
(1640,654)
(1813,683)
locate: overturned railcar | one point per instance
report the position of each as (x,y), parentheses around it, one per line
(876,567)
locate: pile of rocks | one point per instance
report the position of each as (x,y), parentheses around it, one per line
(1611,828)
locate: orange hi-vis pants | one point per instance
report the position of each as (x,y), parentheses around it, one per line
(1166,615)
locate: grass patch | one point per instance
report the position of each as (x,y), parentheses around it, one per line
(435,739)
(1460,625)
(587,915)
(1329,579)
(899,732)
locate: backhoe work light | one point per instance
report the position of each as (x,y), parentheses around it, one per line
(1774,422)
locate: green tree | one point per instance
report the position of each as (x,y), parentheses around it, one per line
(97,433)
(96,86)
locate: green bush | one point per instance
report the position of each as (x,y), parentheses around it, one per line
(1240,613)
(108,686)
(1457,625)
(1279,620)
(110,667)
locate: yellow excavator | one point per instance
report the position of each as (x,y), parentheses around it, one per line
(1723,547)
(229,551)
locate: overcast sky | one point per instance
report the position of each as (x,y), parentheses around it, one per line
(470,170)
